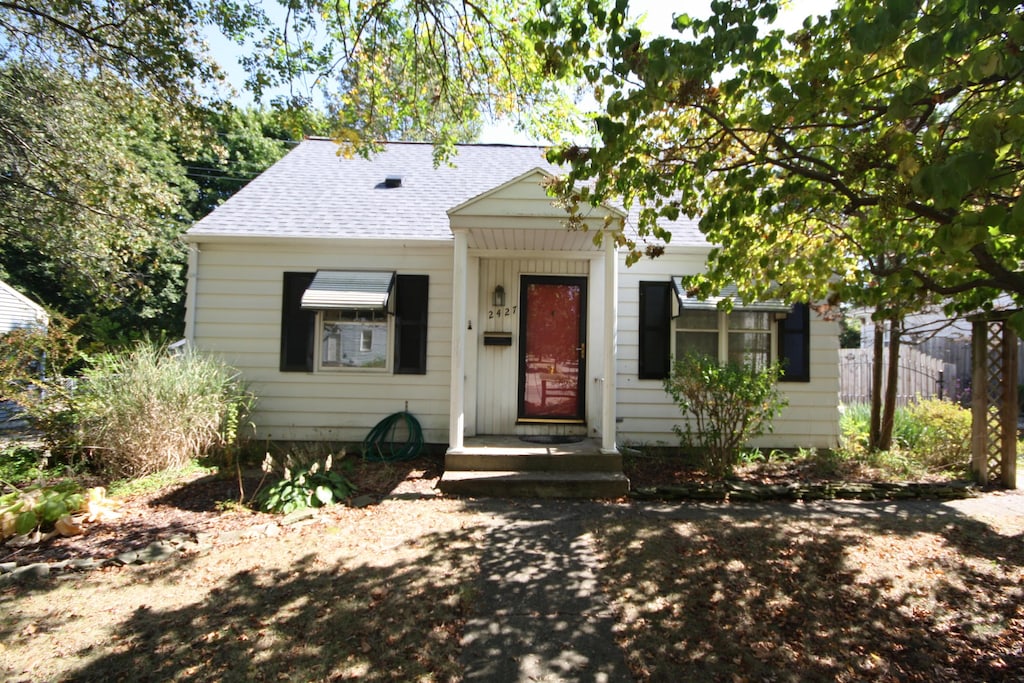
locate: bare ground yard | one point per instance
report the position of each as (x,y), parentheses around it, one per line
(779,592)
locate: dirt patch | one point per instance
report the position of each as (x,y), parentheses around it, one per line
(869,595)
(850,591)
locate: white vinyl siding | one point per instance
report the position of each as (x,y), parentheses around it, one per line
(18,311)
(646,414)
(237,314)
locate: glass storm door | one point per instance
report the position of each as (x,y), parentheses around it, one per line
(552,347)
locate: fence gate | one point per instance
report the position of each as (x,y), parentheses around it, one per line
(994,402)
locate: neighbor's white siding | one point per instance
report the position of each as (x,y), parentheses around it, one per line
(18,311)
(236,313)
(646,414)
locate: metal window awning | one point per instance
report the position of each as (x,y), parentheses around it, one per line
(335,289)
(691,303)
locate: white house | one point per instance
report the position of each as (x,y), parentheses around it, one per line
(18,311)
(348,289)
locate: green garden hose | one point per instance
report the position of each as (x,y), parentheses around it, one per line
(381,444)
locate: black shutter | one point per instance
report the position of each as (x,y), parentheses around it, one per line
(411,324)
(795,344)
(655,329)
(297,326)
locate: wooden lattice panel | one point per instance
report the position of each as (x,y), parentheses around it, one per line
(994,404)
(994,373)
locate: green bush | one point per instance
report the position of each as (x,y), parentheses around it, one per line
(929,435)
(729,405)
(35,364)
(942,435)
(145,410)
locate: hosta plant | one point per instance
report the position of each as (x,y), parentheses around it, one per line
(306,486)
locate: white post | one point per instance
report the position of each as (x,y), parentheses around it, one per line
(191,295)
(611,331)
(457,413)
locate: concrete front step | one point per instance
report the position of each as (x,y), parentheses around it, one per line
(534,484)
(533,462)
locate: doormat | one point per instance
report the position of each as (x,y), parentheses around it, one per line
(551,440)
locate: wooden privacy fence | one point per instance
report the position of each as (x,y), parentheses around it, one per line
(920,375)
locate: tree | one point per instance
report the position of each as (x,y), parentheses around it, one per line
(434,68)
(239,145)
(90,200)
(873,156)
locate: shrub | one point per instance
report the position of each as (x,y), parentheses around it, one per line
(729,405)
(144,410)
(942,434)
(929,435)
(34,366)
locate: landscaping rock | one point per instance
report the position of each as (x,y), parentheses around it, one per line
(84,563)
(298,516)
(156,552)
(362,501)
(31,572)
(739,491)
(130,557)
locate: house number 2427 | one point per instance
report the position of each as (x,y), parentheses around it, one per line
(506,312)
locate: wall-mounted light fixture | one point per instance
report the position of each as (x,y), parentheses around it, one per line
(499,296)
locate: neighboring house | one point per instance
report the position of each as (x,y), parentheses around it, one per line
(18,311)
(348,289)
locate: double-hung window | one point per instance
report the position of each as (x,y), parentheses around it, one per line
(673,323)
(354,320)
(742,337)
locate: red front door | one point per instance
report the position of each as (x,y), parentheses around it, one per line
(552,346)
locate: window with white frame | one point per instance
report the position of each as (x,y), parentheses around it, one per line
(671,323)
(339,320)
(743,337)
(351,338)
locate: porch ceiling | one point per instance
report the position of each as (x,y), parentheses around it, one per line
(555,238)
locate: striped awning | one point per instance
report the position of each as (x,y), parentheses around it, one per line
(334,289)
(691,303)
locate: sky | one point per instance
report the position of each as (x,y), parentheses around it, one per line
(657,18)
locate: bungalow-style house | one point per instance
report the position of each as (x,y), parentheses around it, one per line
(349,289)
(17,311)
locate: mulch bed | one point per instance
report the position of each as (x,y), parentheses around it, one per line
(209,504)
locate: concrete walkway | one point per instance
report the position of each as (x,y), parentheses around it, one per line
(541,614)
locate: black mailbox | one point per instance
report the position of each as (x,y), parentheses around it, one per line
(497,339)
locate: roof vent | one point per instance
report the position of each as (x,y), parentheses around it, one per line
(393,181)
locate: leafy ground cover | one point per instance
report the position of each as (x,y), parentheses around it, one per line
(843,591)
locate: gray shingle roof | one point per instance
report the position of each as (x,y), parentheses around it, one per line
(313,192)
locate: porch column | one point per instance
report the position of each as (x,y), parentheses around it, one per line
(611,332)
(457,413)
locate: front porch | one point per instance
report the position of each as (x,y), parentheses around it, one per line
(510,467)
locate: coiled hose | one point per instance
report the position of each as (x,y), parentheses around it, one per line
(381,444)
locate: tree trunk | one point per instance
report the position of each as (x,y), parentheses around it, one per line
(875,428)
(891,385)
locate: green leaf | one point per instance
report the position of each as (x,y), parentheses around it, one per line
(26,522)
(324,495)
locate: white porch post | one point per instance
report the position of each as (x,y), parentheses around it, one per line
(457,412)
(611,332)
